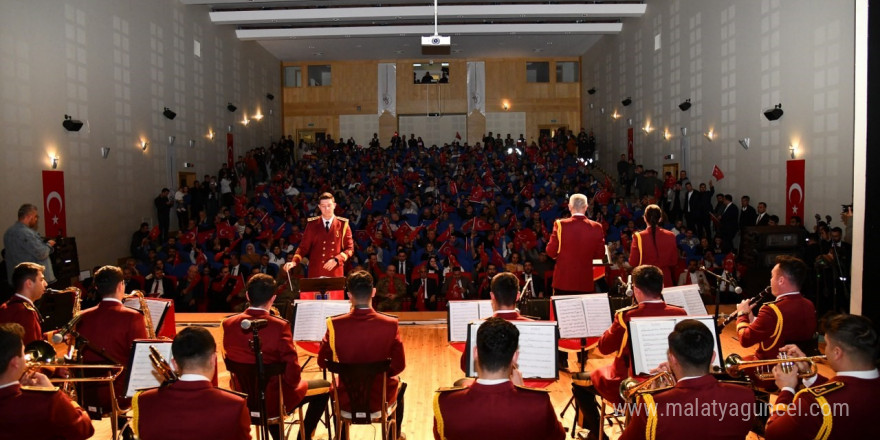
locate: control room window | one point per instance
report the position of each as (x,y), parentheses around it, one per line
(567,72)
(319,75)
(293,76)
(538,72)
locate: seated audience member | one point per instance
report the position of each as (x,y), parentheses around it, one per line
(277,344)
(32,407)
(390,290)
(424,290)
(191,291)
(178,411)
(457,287)
(364,335)
(496,405)
(690,354)
(835,408)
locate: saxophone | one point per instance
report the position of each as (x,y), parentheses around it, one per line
(148,318)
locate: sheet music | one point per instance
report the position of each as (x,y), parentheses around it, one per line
(485,309)
(460,314)
(142,374)
(582,316)
(310,319)
(537,349)
(157,309)
(687,297)
(650,340)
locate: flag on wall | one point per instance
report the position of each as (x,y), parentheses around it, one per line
(230,153)
(794,198)
(53,203)
(716,173)
(630,154)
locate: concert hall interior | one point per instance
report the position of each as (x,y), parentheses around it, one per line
(196,144)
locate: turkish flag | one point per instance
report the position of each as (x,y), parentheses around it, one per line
(458,135)
(53,203)
(230,151)
(716,173)
(794,198)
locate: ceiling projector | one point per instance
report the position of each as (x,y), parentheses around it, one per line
(436,45)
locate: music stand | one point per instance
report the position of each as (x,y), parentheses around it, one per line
(322,285)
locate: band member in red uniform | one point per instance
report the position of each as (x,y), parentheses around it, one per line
(327,242)
(655,246)
(277,345)
(110,327)
(29,284)
(362,336)
(789,319)
(574,244)
(178,411)
(835,408)
(681,410)
(32,407)
(605,381)
(496,405)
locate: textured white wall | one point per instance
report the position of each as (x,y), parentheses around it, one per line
(115,65)
(733,60)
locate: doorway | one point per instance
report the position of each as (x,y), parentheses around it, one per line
(185,178)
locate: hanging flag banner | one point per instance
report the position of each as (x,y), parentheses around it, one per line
(629,144)
(476,86)
(387,88)
(794,199)
(230,154)
(53,203)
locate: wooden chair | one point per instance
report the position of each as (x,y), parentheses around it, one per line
(244,379)
(358,379)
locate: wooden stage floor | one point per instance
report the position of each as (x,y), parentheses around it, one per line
(430,363)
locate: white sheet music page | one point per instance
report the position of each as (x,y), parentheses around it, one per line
(537,349)
(157,309)
(310,320)
(650,339)
(572,317)
(460,314)
(143,374)
(485,308)
(687,297)
(598,311)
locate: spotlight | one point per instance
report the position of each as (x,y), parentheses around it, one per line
(627,101)
(105,151)
(270,96)
(745,143)
(774,113)
(169,114)
(55,161)
(71,124)
(684,106)
(592,91)
(709,135)
(231,107)
(792,149)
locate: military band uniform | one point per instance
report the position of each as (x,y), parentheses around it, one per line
(488,409)
(21,310)
(188,409)
(507,315)
(37,413)
(663,253)
(320,245)
(847,416)
(575,242)
(789,319)
(681,411)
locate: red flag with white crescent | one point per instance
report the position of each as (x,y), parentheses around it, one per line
(794,198)
(53,203)
(230,153)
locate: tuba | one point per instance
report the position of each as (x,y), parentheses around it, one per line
(148,318)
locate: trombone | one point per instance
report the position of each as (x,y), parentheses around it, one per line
(734,365)
(41,354)
(659,381)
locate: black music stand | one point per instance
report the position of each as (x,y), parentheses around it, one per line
(257,347)
(322,285)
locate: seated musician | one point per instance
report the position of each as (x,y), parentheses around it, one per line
(29,284)
(835,408)
(110,329)
(605,381)
(791,318)
(681,411)
(178,410)
(31,407)
(496,405)
(364,335)
(277,346)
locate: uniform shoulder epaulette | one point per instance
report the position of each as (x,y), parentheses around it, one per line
(314,218)
(40,389)
(776,300)
(825,388)
(29,306)
(539,390)
(449,389)
(236,393)
(628,308)
(342,219)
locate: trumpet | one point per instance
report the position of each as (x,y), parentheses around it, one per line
(734,365)
(659,381)
(162,366)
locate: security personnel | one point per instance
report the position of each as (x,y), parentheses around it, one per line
(178,411)
(835,408)
(32,408)
(583,240)
(496,405)
(29,284)
(791,318)
(327,242)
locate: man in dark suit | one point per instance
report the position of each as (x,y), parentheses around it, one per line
(277,344)
(532,282)
(158,285)
(457,287)
(364,335)
(425,290)
(266,267)
(763,219)
(404,267)
(484,409)
(729,222)
(574,244)
(703,208)
(178,411)
(131,283)
(110,328)
(748,216)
